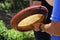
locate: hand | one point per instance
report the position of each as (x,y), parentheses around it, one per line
(36,26)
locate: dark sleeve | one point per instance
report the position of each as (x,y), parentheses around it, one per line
(41,35)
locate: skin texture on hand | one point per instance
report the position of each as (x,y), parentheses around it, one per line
(52,28)
(36,26)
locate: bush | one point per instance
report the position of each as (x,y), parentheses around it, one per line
(12,34)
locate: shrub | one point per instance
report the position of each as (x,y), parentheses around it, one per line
(12,34)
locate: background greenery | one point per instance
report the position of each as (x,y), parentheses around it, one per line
(8,8)
(12,34)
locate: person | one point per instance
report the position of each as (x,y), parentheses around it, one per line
(42,35)
(53,27)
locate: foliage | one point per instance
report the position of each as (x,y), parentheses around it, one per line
(8,8)
(13,5)
(12,34)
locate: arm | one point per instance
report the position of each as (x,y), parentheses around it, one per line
(53,27)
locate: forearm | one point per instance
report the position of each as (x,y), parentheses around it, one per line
(52,28)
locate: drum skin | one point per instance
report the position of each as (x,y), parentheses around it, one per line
(24,13)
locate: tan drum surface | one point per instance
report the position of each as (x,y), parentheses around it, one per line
(30,20)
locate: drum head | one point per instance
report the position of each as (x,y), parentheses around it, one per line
(24,19)
(30,20)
